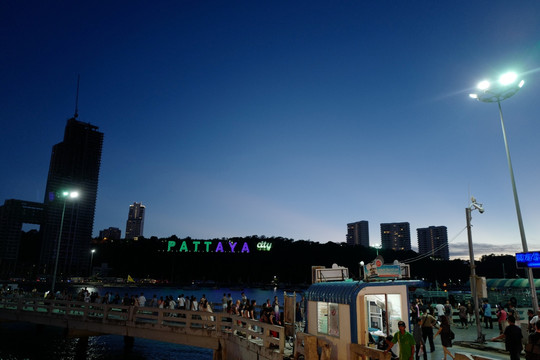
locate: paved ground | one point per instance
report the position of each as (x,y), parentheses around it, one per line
(465,342)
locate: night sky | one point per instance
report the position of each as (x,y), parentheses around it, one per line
(280,118)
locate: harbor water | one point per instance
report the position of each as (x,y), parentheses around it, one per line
(20,341)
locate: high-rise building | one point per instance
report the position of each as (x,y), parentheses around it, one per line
(74,166)
(396,236)
(358,233)
(135,222)
(433,240)
(112,233)
(18,252)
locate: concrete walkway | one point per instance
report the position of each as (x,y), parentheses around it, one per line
(465,342)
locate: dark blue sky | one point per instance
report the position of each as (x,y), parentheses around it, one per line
(283,118)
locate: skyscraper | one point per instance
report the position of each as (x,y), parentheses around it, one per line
(17,254)
(135,222)
(396,236)
(433,240)
(358,233)
(74,166)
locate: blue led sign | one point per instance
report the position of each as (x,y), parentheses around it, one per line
(528,260)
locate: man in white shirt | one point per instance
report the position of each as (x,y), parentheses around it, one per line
(440,311)
(182,302)
(142,300)
(535,318)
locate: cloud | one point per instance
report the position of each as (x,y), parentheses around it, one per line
(461,250)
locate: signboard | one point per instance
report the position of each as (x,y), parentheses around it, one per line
(333,274)
(528,260)
(220,246)
(383,271)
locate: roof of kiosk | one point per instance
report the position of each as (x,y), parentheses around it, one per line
(346,292)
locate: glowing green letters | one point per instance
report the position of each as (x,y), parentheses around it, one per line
(212,246)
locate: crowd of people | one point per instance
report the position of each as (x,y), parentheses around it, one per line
(426,318)
(269,312)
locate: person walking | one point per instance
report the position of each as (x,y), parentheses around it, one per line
(470,312)
(446,336)
(427,324)
(532,349)
(440,311)
(449,312)
(463,316)
(420,345)
(533,321)
(501,318)
(486,309)
(405,340)
(512,338)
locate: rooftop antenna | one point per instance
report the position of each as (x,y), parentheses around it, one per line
(77,98)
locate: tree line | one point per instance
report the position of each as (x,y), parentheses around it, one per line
(287,262)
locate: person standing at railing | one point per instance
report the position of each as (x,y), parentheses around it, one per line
(224,301)
(142,300)
(276,308)
(194,303)
(181,302)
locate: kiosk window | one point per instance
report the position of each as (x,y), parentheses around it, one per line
(383,314)
(328,318)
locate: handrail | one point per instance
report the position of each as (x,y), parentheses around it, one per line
(216,324)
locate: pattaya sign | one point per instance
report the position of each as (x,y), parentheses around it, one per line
(217,246)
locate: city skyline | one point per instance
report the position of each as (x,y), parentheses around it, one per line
(282,119)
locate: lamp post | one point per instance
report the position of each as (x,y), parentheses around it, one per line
(507,86)
(65,195)
(361,271)
(92,260)
(474,292)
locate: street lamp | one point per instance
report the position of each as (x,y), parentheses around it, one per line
(474,292)
(92,260)
(507,86)
(66,195)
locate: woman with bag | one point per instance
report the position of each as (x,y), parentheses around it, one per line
(446,337)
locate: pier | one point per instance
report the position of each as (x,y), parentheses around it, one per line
(229,336)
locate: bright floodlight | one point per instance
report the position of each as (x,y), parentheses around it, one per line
(507,86)
(508,78)
(71,194)
(483,85)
